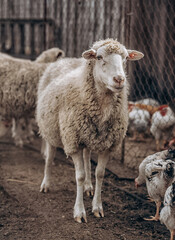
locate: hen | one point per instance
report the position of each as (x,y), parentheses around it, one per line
(138,122)
(149,101)
(166,154)
(167,214)
(159,175)
(162,124)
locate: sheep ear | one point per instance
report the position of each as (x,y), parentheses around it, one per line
(60,54)
(89,54)
(134,55)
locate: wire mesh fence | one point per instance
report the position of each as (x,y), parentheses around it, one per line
(28,27)
(152,31)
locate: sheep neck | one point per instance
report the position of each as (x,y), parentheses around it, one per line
(104,100)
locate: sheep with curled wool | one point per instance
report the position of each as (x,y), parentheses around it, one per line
(86,110)
(19,80)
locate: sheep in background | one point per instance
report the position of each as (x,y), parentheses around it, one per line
(47,56)
(18,87)
(86,109)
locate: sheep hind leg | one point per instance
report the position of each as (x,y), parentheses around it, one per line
(97,208)
(44,151)
(172,234)
(16,133)
(50,154)
(88,188)
(157,145)
(79,210)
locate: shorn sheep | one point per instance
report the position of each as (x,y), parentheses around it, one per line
(85,110)
(19,80)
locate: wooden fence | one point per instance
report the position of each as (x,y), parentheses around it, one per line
(28,27)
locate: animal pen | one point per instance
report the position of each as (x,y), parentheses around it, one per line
(31,26)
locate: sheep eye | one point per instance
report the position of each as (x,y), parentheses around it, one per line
(99,57)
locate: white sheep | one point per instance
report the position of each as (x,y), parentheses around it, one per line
(19,79)
(85,108)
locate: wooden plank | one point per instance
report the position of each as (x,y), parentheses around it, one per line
(64,23)
(17,39)
(58,24)
(84,36)
(107,16)
(51,32)
(99,19)
(38,44)
(91,23)
(70,28)
(51,9)
(27,29)
(79,27)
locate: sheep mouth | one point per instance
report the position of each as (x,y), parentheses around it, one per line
(115,89)
(118,88)
(121,87)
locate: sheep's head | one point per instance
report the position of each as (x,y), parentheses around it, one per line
(110,60)
(50,55)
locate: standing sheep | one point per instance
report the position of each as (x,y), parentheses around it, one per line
(86,109)
(19,79)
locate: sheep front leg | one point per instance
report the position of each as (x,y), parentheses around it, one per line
(88,188)
(50,154)
(79,210)
(16,133)
(97,208)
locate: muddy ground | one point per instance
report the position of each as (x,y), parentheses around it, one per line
(25,213)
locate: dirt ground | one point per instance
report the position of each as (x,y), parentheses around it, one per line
(25,213)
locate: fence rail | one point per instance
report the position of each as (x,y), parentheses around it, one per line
(26,37)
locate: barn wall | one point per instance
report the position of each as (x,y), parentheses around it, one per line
(28,27)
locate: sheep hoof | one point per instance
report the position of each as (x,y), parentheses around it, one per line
(98,213)
(81,219)
(89,192)
(44,188)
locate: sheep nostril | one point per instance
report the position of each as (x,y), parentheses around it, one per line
(118,79)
